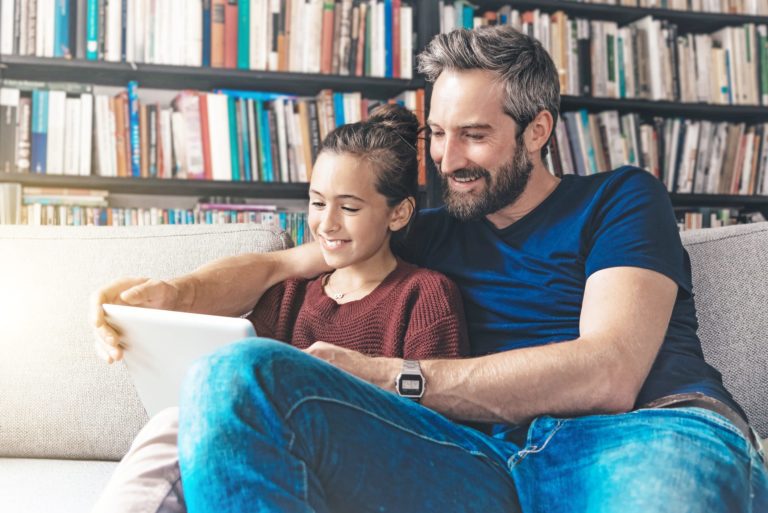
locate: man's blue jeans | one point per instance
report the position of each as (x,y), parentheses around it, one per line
(265,427)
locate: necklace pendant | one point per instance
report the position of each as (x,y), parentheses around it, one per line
(338,296)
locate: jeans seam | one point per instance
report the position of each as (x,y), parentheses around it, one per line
(534,449)
(307,399)
(718,419)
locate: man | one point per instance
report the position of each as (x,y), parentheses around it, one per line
(586,366)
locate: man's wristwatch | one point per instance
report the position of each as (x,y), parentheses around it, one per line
(410,382)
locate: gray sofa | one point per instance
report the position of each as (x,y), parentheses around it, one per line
(66,417)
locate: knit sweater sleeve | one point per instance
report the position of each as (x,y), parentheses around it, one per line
(437,327)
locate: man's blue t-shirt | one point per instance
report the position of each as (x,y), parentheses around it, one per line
(523,285)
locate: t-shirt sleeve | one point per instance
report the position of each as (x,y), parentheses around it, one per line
(634,225)
(266,313)
(437,327)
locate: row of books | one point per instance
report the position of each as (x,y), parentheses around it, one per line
(707,217)
(689,156)
(748,7)
(646,59)
(346,37)
(89,207)
(226,135)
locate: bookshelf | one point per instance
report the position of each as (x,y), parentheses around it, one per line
(426,23)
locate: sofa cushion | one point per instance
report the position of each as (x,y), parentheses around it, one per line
(52,486)
(730,284)
(57,399)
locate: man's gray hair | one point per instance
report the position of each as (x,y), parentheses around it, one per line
(524,67)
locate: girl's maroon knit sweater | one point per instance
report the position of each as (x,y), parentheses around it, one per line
(414,313)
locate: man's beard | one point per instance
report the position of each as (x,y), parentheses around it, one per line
(508,184)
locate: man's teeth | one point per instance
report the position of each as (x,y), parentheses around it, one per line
(465,179)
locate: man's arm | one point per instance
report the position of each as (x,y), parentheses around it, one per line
(228,286)
(624,318)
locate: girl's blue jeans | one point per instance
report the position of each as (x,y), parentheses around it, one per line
(266,427)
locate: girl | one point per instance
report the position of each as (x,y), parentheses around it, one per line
(362,194)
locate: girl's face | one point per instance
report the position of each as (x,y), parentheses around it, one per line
(349,219)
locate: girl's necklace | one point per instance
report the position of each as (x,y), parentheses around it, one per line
(338,296)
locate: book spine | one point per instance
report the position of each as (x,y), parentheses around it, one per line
(231,38)
(39,130)
(243,35)
(92,30)
(206,33)
(218,16)
(135,135)
(235,157)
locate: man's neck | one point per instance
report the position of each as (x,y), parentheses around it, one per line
(541,184)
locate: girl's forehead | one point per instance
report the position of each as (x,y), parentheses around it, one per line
(341,175)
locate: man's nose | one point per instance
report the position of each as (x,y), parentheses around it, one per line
(451,156)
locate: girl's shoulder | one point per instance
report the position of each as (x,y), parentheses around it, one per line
(423,278)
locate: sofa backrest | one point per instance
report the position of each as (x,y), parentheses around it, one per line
(730,286)
(57,399)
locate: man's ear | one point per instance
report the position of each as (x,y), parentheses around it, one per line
(538,131)
(401,214)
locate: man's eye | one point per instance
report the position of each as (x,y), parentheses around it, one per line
(437,134)
(317,204)
(475,137)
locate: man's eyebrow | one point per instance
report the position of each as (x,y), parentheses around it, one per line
(468,126)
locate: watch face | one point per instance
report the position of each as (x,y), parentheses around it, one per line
(410,385)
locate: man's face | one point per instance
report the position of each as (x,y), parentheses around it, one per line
(484,167)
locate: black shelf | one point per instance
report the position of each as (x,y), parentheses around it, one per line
(163,187)
(738,113)
(717,200)
(687,21)
(186,77)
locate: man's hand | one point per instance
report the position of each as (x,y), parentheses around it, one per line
(143,292)
(379,371)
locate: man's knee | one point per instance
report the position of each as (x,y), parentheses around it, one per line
(246,366)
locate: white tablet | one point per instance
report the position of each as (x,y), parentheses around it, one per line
(161,345)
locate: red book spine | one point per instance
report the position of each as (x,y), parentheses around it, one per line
(326,54)
(205,136)
(230,34)
(396,39)
(218,9)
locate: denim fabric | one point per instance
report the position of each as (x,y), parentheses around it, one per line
(265,427)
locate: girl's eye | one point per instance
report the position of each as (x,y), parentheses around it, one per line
(350,209)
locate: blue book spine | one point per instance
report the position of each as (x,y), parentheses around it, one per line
(588,142)
(243,35)
(207,32)
(469,17)
(266,142)
(247,175)
(133,125)
(39,131)
(338,108)
(388,53)
(233,140)
(61,29)
(92,31)
(254,95)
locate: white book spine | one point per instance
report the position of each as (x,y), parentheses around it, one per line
(166,138)
(274,12)
(86,134)
(6,26)
(56,130)
(71,136)
(130,33)
(406,41)
(194,34)
(295,59)
(218,122)
(252,141)
(112,40)
(139,30)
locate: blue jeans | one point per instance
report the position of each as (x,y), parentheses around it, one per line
(265,427)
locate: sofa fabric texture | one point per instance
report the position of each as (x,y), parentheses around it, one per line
(730,286)
(57,399)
